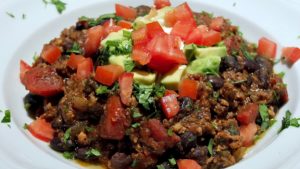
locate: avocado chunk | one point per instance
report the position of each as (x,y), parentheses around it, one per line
(172,78)
(119,60)
(205,65)
(143,77)
(116,36)
(143,20)
(211,51)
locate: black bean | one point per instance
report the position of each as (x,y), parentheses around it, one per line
(188,141)
(229,62)
(263,76)
(186,104)
(264,63)
(216,81)
(199,154)
(33,104)
(251,65)
(80,25)
(167,165)
(57,123)
(57,144)
(120,161)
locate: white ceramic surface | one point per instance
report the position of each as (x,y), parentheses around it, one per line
(21,38)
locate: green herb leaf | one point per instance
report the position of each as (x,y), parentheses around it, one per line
(263,111)
(126,34)
(94,22)
(210,146)
(75,49)
(10,14)
(133,165)
(60,5)
(135,125)
(281,74)
(246,53)
(6,118)
(68,155)
(93,152)
(160,166)
(35,57)
(67,135)
(129,65)
(170,132)
(172,161)
(89,129)
(287,121)
(136,113)
(102,90)
(25,126)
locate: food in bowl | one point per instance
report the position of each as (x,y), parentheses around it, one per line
(153,87)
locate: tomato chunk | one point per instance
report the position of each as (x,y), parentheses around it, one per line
(141,55)
(51,53)
(170,92)
(110,26)
(266,48)
(154,29)
(211,38)
(75,60)
(108,74)
(183,28)
(125,24)
(217,23)
(188,164)
(196,36)
(92,42)
(112,125)
(188,88)
(24,67)
(170,105)
(161,3)
(41,129)
(85,68)
(170,18)
(125,12)
(126,87)
(43,81)
(291,54)
(181,13)
(248,113)
(140,36)
(248,133)
(159,132)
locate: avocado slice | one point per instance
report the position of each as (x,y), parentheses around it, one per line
(211,51)
(119,60)
(143,77)
(206,65)
(172,78)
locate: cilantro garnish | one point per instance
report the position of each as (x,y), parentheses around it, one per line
(10,14)
(75,49)
(6,118)
(68,155)
(210,146)
(281,74)
(170,132)
(287,121)
(89,129)
(160,166)
(136,113)
(25,126)
(67,135)
(102,90)
(129,65)
(93,152)
(59,5)
(134,163)
(172,161)
(135,125)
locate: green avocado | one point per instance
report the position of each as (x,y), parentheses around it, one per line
(143,77)
(211,51)
(172,78)
(205,65)
(119,60)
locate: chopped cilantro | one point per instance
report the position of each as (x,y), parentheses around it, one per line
(126,34)
(102,90)
(75,49)
(233,130)
(246,53)
(133,165)
(172,161)
(159,90)
(10,14)
(214,125)
(67,135)
(68,155)
(160,166)
(93,152)
(136,113)
(93,22)
(60,5)
(170,132)
(89,129)
(135,125)
(6,118)
(287,121)
(281,74)
(25,126)
(35,57)
(263,111)
(210,146)
(216,95)
(129,65)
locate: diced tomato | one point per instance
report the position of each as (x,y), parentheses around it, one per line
(125,24)
(217,23)
(248,113)
(51,53)
(183,12)
(92,42)
(140,36)
(41,129)
(248,133)
(188,88)
(108,74)
(24,67)
(85,68)
(196,36)
(125,12)
(161,3)
(170,18)
(170,92)
(211,38)
(266,48)
(126,87)
(140,55)
(183,28)
(110,26)
(170,105)
(43,81)
(159,132)
(75,60)
(188,164)
(284,97)
(112,125)
(154,29)
(291,54)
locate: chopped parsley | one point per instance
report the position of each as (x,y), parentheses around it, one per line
(263,111)
(170,132)
(67,135)
(133,165)
(172,161)
(136,113)
(75,49)
(287,121)
(246,53)
(35,57)
(93,153)
(6,118)
(126,34)
(281,74)
(135,125)
(60,5)
(25,126)
(68,155)
(160,166)
(94,22)
(102,90)
(10,14)
(129,65)
(210,146)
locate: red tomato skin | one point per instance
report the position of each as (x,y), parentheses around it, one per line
(24,67)
(188,88)
(248,113)
(126,87)
(170,105)
(247,132)
(108,74)
(266,48)
(170,92)
(196,36)
(291,54)
(41,129)
(75,60)
(183,28)
(217,24)
(161,3)
(125,12)
(92,42)
(154,29)
(43,81)
(170,18)
(50,53)
(125,24)
(140,36)
(110,26)
(112,124)
(85,69)
(188,164)
(211,38)
(183,12)
(141,55)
